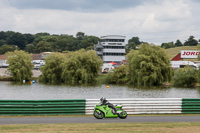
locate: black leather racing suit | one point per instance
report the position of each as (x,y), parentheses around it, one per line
(105,102)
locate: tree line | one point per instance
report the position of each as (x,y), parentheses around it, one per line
(134,42)
(44,42)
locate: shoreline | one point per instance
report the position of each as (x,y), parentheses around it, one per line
(4,76)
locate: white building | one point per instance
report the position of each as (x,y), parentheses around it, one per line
(111,48)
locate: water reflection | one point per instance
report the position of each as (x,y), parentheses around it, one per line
(42,91)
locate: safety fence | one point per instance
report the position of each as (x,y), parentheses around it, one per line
(46,107)
(191,105)
(86,106)
(142,105)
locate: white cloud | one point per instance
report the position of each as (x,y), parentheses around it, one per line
(151,22)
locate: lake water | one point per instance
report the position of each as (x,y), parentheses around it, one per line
(39,91)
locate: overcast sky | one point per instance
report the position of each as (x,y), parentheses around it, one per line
(153,21)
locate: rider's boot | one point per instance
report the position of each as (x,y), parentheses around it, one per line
(114,111)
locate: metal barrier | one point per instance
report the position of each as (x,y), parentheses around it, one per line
(142,105)
(46,107)
(190,105)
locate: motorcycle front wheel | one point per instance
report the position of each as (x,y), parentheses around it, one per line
(98,115)
(122,115)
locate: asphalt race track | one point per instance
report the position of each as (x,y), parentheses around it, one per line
(129,119)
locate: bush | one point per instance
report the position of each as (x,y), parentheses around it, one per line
(184,77)
(118,76)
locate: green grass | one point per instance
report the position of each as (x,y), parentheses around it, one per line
(172,52)
(23,116)
(178,127)
(101,78)
(5,78)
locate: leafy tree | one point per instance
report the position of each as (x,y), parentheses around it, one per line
(88,41)
(52,70)
(29,48)
(67,43)
(42,34)
(17,39)
(136,40)
(167,45)
(29,38)
(191,41)
(39,37)
(80,35)
(198,74)
(81,67)
(178,43)
(9,34)
(20,65)
(130,46)
(132,43)
(51,40)
(89,48)
(118,76)
(2,35)
(2,42)
(184,77)
(149,65)
(43,46)
(5,48)
(198,47)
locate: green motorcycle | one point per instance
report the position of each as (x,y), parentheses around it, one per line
(101,111)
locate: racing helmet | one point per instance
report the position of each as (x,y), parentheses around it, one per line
(102,99)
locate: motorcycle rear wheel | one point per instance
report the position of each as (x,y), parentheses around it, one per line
(122,115)
(98,115)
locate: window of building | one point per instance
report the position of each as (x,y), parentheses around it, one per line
(112,40)
(114,47)
(114,54)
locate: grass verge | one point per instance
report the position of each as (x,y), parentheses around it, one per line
(172,52)
(186,127)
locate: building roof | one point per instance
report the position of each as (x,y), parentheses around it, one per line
(2,57)
(113,37)
(177,57)
(34,57)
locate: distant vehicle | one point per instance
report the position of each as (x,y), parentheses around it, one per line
(181,64)
(36,66)
(4,64)
(107,67)
(1,63)
(41,62)
(36,61)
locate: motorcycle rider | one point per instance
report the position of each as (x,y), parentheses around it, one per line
(105,102)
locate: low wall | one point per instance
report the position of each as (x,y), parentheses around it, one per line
(86,106)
